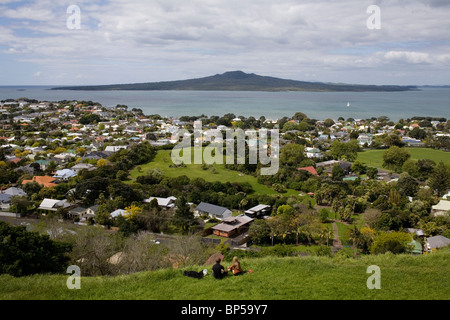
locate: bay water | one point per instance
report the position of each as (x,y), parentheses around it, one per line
(433,102)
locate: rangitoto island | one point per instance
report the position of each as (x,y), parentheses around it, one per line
(241,81)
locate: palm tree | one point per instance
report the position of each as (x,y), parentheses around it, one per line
(354,236)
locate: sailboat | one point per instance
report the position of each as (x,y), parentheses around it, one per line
(348,104)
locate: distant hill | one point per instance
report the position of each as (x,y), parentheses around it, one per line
(240,81)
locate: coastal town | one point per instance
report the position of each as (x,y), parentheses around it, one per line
(85,164)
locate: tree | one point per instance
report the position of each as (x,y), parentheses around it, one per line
(292,154)
(260,232)
(439,180)
(358,167)
(393,140)
(394,242)
(184,217)
(300,116)
(407,185)
(354,236)
(285,210)
(328,122)
(337,173)
(31,187)
(24,253)
(395,157)
(132,212)
(345,150)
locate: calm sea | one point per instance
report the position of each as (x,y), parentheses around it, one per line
(433,102)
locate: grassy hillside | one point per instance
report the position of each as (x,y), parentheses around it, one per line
(374,158)
(163,162)
(403,277)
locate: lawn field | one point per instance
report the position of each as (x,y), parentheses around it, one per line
(403,277)
(163,162)
(374,158)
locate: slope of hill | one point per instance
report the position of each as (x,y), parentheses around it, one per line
(240,81)
(403,277)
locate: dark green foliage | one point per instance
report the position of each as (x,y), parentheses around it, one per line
(24,253)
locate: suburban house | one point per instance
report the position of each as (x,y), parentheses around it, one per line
(53,205)
(13,191)
(5,201)
(81,166)
(166,203)
(365,138)
(45,181)
(313,153)
(326,164)
(232,226)
(118,212)
(115,148)
(83,213)
(65,174)
(436,242)
(311,170)
(213,210)
(259,211)
(441,208)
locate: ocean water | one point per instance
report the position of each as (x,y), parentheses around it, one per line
(434,102)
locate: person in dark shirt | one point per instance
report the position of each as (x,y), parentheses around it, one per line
(218,270)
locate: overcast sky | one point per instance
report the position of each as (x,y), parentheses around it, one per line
(122,41)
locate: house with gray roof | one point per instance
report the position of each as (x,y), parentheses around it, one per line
(436,242)
(213,210)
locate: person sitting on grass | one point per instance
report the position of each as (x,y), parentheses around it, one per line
(235,267)
(218,270)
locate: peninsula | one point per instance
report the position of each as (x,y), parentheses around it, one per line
(240,81)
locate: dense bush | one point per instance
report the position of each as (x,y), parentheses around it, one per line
(24,253)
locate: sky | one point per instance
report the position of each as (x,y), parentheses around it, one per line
(405,42)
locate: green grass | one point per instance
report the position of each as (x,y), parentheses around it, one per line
(374,158)
(403,277)
(163,161)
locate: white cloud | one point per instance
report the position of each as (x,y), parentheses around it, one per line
(164,40)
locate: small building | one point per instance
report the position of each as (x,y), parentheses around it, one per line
(166,203)
(416,247)
(45,181)
(258,211)
(313,153)
(311,170)
(65,174)
(53,205)
(118,212)
(83,213)
(14,191)
(436,242)
(441,208)
(81,166)
(365,138)
(232,226)
(213,210)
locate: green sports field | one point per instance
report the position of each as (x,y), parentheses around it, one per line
(164,162)
(374,158)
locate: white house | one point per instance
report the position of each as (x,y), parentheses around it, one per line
(163,202)
(115,148)
(53,205)
(313,153)
(441,208)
